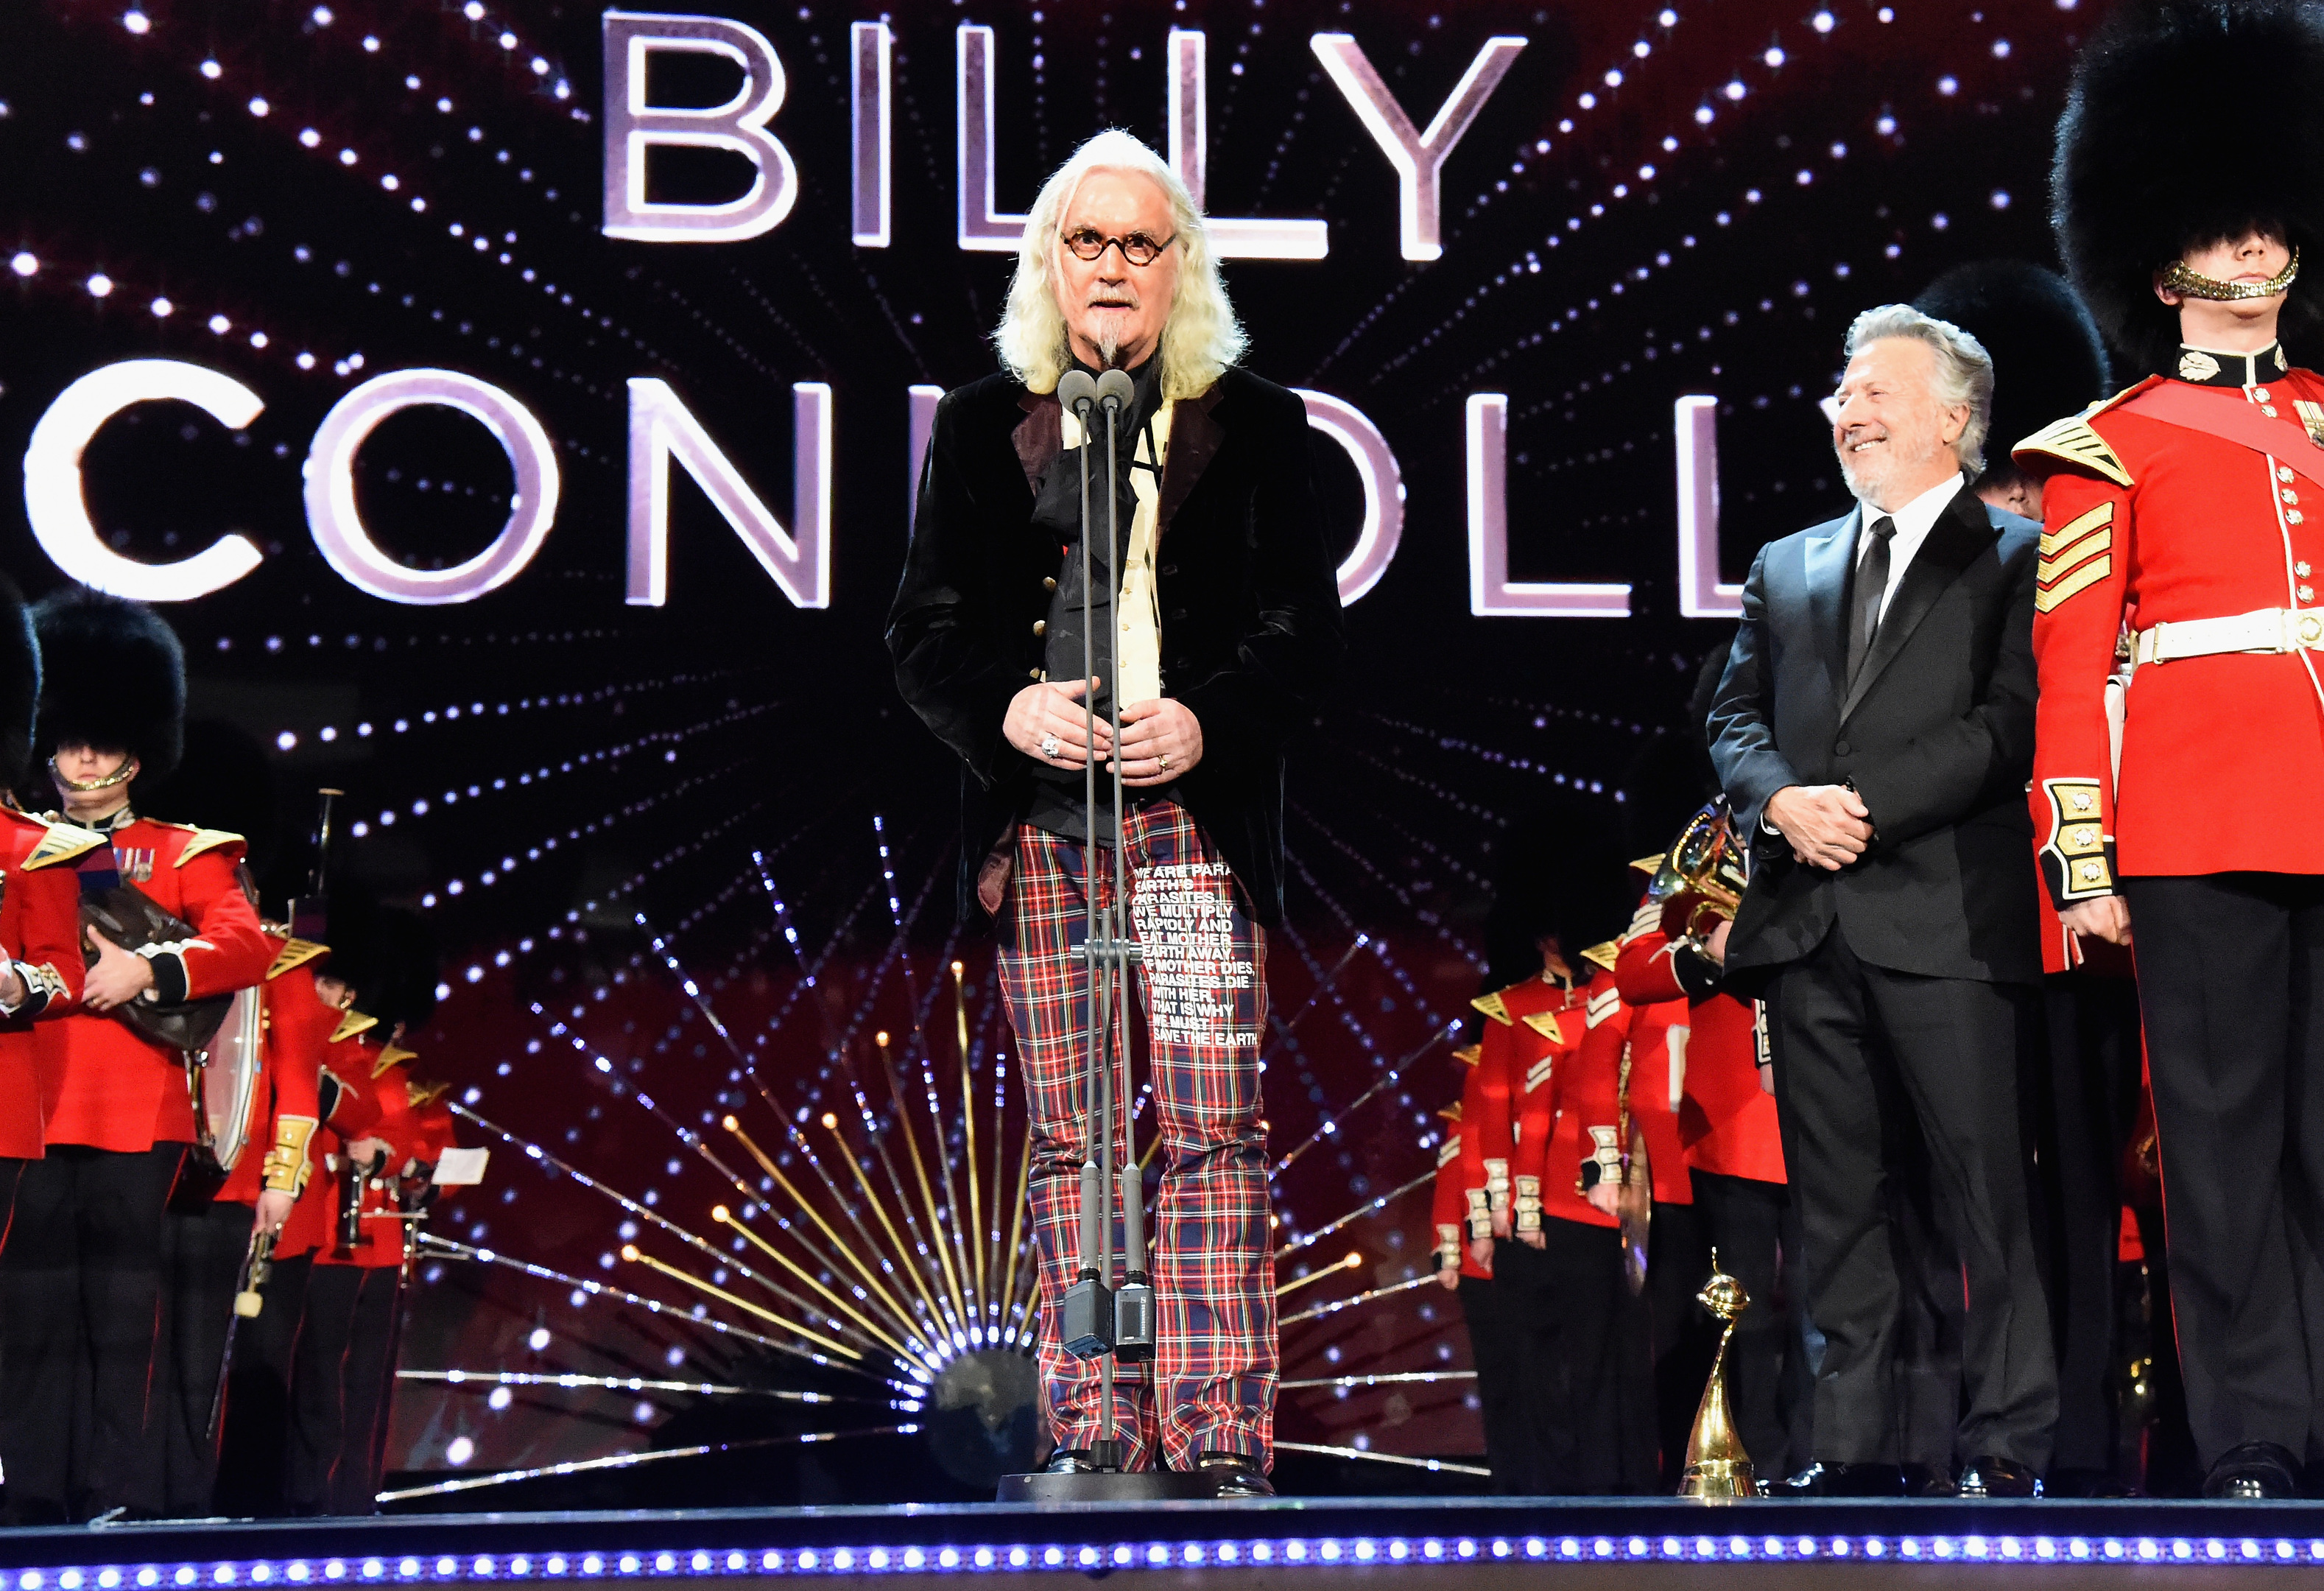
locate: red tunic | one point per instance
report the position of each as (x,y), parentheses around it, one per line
(1448,1204)
(355,1111)
(40,933)
(1582,1091)
(1725,1121)
(283,1108)
(418,1128)
(102,1083)
(2150,522)
(1523,1022)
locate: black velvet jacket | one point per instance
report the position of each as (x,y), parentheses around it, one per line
(1250,609)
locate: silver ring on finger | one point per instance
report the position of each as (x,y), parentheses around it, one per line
(1049,747)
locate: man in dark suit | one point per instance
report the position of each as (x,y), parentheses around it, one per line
(1228,626)
(1875,731)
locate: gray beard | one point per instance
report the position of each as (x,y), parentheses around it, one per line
(1869,487)
(1109,344)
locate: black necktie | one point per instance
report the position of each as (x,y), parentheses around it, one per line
(1871,587)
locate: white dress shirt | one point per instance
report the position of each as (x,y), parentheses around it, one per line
(1913,522)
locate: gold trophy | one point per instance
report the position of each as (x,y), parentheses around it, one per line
(1718,1469)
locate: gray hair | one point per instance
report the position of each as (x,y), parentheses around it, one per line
(1202,337)
(1964,369)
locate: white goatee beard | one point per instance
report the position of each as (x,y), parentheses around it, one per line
(1109,344)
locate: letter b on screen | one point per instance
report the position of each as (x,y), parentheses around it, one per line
(634,127)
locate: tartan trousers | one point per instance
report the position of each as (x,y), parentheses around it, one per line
(1202,988)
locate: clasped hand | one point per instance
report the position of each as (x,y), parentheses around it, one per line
(1161,740)
(118,978)
(1826,825)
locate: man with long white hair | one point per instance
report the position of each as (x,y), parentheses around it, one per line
(1229,628)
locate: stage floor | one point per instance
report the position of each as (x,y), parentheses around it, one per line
(1444,1542)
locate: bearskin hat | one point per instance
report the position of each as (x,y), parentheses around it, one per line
(385,954)
(2159,151)
(2048,358)
(112,674)
(20,685)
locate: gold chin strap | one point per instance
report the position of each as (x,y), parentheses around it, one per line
(121,775)
(2194,285)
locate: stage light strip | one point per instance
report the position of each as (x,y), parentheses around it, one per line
(1236,1555)
(1439,1465)
(634,1384)
(631,1460)
(1320,1310)
(1369,1381)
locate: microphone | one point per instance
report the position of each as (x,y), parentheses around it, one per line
(1076,391)
(1113,389)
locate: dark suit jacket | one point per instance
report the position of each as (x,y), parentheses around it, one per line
(1249,605)
(1936,734)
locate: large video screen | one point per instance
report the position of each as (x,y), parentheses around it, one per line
(516,407)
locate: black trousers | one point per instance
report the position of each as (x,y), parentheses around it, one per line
(340,1380)
(1855,1045)
(202,1260)
(1752,1226)
(254,1445)
(80,1293)
(2086,1115)
(2231,986)
(1494,1348)
(1589,1346)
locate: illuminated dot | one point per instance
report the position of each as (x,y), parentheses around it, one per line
(220,325)
(508,40)
(1940,221)
(1702,115)
(473,11)
(2001,50)
(212,70)
(24,262)
(1646,173)
(1774,56)
(1735,90)
(538,1339)
(162,308)
(309,137)
(459,1451)
(1614,77)
(540,67)
(286,741)
(2000,199)
(502,1398)
(1669,19)
(1948,86)
(305,361)
(100,285)
(258,106)
(1587,102)
(136,22)
(322,15)
(370,44)
(1888,126)
(1822,21)
(348,157)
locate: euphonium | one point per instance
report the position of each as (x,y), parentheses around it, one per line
(1702,877)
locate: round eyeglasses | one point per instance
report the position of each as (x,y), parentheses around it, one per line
(1089,243)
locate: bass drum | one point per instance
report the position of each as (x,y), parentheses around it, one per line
(225,1079)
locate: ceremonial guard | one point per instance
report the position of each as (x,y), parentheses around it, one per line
(1591,1331)
(2181,547)
(39,907)
(226,1249)
(343,1375)
(1522,1029)
(1492,1341)
(80,1279)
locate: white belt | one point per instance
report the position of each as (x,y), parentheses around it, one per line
(2266,629)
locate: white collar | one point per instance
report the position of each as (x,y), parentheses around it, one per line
(1916,518)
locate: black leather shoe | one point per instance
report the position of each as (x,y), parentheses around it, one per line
(1841,1480)
(2253,1472)
(1987,1476)
(1929,1480)
(1238,1475)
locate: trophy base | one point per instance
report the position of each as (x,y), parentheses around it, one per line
(1719,1480)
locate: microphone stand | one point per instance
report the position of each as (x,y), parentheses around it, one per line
(1096,1318)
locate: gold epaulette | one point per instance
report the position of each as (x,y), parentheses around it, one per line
(1493,1006)
(295,952)
(1602,954)
(202,839)
(62,843)
(351,1023)
(2071,440)
(1450,1112)
(1544,1022)
(391,1055)
(423,1095)
(1468,1054)
(1649,865)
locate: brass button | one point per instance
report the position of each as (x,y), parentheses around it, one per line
(2301,569)
(2268,410)
(2289,495)
(1041,626)
(2308,594)
(2260,393)
(1049,582)
(2283,474)
(2292,517)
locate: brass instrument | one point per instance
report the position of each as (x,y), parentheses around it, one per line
(1701,877)
(1718,1469)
